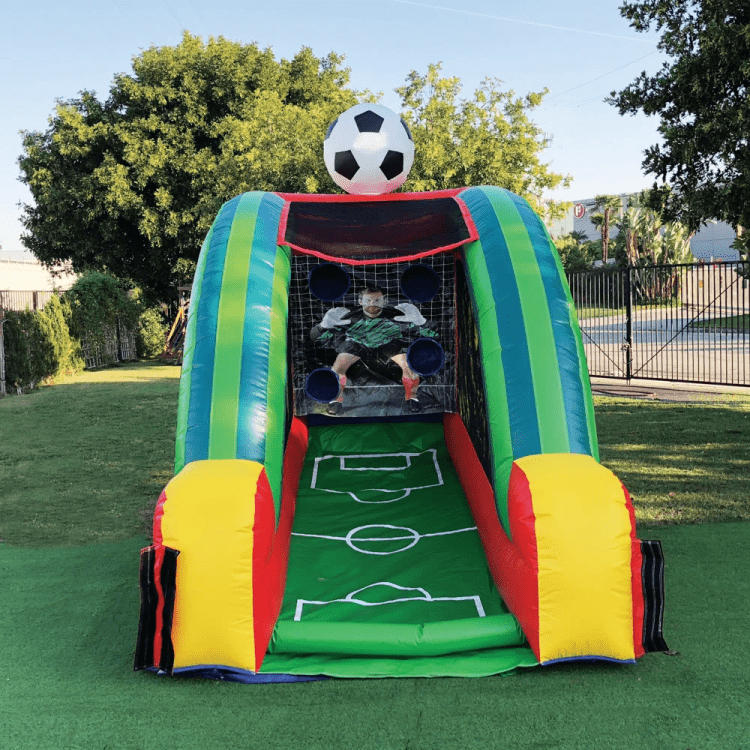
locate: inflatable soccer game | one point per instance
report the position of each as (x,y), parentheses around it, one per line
(386,457)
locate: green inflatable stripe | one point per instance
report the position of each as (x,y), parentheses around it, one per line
(226,383)
(474,664)
(397,639)
(277,375)
(553,432)
(496,397)
(187,358)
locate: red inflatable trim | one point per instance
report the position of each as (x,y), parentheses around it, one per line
(379,261)
(271,546)
(346,198)
(513,564)
(636,566)
(158,561)
(158,515)
(325,198)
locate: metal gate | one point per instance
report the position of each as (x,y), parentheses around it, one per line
(688,323)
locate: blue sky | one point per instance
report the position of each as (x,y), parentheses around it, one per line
(579,51)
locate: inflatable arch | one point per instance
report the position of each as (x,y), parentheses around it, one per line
(474,536)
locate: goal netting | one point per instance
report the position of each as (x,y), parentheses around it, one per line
(374,384)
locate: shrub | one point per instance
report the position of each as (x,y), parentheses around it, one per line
(62,353)
(23,365)
(38,345)
(151,334)
(98,303)
(575,255)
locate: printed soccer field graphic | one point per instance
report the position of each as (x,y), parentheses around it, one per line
(385,546)
(330,474)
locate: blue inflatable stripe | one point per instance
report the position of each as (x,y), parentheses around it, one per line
(202,372)
(522,409)
(187,361)
(252,411)
(562,328)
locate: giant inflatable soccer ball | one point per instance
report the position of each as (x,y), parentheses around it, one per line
(368,150)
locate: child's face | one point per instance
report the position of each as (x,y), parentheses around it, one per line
(372,303)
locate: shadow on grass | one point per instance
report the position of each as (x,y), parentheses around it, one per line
(682,463)
(81,461)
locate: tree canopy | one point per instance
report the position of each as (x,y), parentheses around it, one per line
(486,140)
(701,95)
(130,185)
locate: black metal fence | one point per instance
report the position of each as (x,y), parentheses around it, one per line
(688,323)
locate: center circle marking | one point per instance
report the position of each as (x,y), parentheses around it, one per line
(414,537)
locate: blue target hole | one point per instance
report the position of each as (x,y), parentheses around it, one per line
(419,283)
(425,356)
(322,385)
(329,282)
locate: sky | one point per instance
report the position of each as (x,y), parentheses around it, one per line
(579,51)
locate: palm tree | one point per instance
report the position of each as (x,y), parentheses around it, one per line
(608,205)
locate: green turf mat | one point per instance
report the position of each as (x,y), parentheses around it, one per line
(386,562)
(492,661)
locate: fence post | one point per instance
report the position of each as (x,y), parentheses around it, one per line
(628,345)
(2,354)
(119,340)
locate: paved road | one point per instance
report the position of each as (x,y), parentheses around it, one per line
(666,345)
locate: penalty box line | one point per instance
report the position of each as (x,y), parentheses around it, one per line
(425,597)
(407,465)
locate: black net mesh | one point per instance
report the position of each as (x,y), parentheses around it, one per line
(374,386)
(471,399)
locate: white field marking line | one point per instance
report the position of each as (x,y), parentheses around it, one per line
(426,597)
(414,536)
(406,490)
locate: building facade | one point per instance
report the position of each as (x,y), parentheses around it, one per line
(712,242)
(32,276)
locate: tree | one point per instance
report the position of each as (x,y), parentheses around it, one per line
(131,185)
(648,240)
(486,140)
(575,252)
(607,205)
(701,96)
(645,240)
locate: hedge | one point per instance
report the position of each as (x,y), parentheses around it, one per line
(38,345)
(47,343)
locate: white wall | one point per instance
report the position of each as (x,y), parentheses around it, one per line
(31,276)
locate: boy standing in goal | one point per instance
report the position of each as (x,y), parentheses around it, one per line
(376,333)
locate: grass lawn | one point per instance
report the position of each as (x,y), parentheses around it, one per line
(730,323)
(81,466)
(682,463)
(584,312)
(82,461)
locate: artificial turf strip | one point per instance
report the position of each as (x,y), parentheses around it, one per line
(68,619)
